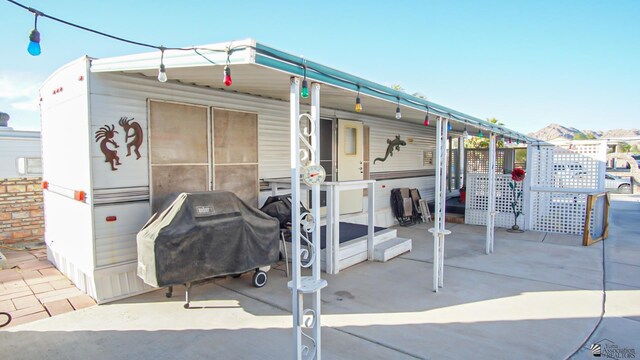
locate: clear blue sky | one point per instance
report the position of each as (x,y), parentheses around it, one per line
(527,63)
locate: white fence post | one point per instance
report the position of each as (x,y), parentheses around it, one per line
(491,193)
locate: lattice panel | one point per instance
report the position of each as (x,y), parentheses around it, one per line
(476,204)
(477,161)
(554,172)
(558,212)
(564,168)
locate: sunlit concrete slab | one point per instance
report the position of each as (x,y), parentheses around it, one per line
(529,299)
(563,239)
(222,324)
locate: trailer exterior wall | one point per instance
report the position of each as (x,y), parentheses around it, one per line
(66,167)
(104,261)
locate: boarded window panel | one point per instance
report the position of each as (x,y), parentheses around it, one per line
(235,137)
(236,153)
(177,178)
(179,150)
(242,180)
(178,133)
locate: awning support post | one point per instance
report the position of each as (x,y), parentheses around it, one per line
(306,321)
(461,164)
(491,200)
(439,230)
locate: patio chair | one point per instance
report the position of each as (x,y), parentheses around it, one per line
(404,206)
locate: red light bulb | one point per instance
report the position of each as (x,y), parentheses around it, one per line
(227,76)
(426,120)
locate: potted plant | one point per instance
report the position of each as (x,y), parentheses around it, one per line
(517,175)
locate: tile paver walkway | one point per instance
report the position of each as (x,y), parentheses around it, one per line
(32,289)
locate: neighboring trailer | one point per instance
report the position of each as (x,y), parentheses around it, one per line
(92,239)
(19,154)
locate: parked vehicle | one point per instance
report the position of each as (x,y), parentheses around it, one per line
(617,183)
(637,159)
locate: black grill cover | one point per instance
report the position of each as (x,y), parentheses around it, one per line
(200,235)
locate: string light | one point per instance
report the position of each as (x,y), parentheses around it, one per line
(227,70)
(162,73)
(517,141)
(34,49)
(479,132)
(227,76)
(358,104)
(426,118)
(304,92)
(449,126)
(34,39)
(465,134)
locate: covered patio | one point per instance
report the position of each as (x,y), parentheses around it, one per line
(262,76)
(538,296)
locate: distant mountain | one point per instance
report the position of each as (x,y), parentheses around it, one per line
(555,131)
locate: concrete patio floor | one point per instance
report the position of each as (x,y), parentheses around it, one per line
(538,296)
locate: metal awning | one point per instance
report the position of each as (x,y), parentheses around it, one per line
(264,71)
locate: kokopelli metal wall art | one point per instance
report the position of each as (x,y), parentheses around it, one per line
(105,135)
(132,130)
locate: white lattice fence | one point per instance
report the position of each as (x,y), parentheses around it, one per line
(560,179)
(477,160)
(476,203)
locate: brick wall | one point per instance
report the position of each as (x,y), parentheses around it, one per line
(21,212)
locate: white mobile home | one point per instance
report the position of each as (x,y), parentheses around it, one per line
(19,152)
(116,142)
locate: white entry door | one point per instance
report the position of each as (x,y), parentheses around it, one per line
(350,163)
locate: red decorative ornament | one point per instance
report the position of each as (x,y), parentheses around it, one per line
(518,174)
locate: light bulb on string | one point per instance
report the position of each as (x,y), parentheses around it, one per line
(398,113)
(226,79)
(358,104)
(34,40)
(304,91)
(509,140)
(162,72)
(517,141)
(480,133)
(449,126)
(426,118)
(465,134)
(227,76)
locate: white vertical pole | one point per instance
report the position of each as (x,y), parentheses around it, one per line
(461,167)
(371,218)
(437,206)
(315,196)
(491,192)
(449,158)
(329,253)
(443,200)
(296,298)
(336,229)
(532,150)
